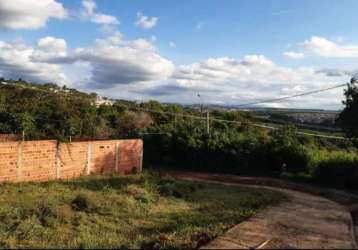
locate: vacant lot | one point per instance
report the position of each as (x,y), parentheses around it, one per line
(112,211)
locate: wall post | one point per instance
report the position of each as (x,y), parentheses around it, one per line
(58,161)
(141,159)
(19,162)
(89,156)
(116,167)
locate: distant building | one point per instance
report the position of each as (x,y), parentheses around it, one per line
(315,118)
(103,101)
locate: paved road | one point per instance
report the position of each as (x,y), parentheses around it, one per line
(306,221)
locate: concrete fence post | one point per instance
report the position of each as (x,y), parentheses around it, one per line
(141,159)
(19,162)
(116,167)
(89,156)
(58,161)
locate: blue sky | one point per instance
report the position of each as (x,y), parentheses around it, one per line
(230,51)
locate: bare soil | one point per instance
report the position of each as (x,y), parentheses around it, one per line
(306,221)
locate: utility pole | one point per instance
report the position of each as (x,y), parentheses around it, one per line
(200,104)
(175,121)
(208,121)
(207,114)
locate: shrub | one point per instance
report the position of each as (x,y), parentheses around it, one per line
(286,151)
(45,213)
(335,169)
(293,158)
(167,187)
(170,189)
(83,203)
(140,194)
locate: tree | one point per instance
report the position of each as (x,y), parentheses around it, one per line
(132,122)
(348,118)
(102,130)
(26,124)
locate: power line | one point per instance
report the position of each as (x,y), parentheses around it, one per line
(211,119)
(238,123)
(229,121)
(292,96)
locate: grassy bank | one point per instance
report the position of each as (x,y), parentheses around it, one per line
(143,211)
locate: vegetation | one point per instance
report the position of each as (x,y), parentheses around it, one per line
(176,136)
(348,119)
(142,211)
(335,168)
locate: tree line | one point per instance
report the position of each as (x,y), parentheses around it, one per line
(174,137)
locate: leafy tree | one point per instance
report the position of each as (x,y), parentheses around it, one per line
(348,118)
(26,123)
(132,122)
(103,130)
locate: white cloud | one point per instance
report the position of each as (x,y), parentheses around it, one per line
(172,44)
(323,47)
(48,49)
(146,22)
(112,61)
(113,39)
(88,13)
(53,45)
(256,60)
(253,78)
(89,6)
(29,14)
(135,69)
(294,55)
(126,63)
(104,19)
(16,62)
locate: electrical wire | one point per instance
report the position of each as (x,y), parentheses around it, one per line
(290,97)
(230,121)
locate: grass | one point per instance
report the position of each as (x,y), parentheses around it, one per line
(113,211)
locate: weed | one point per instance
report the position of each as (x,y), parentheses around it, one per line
(84,203)
(113,211)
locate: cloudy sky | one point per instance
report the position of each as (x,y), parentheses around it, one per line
(229,51)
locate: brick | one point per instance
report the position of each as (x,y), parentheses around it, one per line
(38,161)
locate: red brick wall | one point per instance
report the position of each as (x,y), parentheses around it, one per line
(8,161)
(73,159)
(130,155)
(103,156)
(38,161)
(48,160)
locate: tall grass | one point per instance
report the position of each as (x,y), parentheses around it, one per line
(140,211)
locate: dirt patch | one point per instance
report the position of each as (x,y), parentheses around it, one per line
(339,196)
(306,221)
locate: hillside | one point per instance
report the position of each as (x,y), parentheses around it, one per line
(50,111)
(176,136)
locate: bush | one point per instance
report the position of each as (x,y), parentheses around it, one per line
(83,203)
(293,158)
(286,153)
(140,194)
(167,187)
(245,151)
(335,169)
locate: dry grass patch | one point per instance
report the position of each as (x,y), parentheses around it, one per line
(113,211)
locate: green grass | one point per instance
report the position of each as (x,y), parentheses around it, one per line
(113,211)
